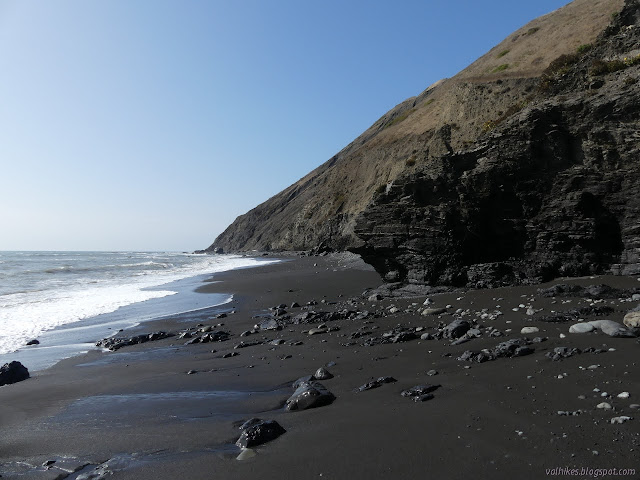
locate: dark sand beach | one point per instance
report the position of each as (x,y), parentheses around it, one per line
(166,410)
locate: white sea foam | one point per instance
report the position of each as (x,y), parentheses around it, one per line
(41,300)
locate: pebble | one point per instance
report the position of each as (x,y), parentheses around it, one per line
(529,330)
(623,395)
(581,328)
(431,373)
(604,406)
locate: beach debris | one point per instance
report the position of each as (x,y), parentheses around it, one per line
(309,394)
(115,343)
(257,431)
(13,372)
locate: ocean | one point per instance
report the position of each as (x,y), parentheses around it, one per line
(68,300)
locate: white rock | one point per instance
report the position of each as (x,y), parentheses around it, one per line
(394,310)
(623,395)
(562,335)
(581,328)
(635,297)
(427,301)
(632,319)
(604,406)
(620,419)
(529,330)
(531,311)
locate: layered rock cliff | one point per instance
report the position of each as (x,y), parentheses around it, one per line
(519,168)
(553,190)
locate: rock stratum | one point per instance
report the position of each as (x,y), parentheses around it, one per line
(522,167)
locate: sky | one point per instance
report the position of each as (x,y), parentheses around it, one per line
(152,124)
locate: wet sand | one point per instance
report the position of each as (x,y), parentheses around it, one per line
(141,412)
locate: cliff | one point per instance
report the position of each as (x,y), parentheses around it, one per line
(520,168)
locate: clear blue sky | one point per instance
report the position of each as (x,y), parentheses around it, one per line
(152,124)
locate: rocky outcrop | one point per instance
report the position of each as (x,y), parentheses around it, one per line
(13,372)
(554,190)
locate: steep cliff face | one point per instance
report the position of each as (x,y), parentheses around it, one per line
(322,208)
(552,190)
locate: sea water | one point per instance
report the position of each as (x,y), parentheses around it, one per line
(68,300)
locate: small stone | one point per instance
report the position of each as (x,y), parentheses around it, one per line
(33,342)
(604,406)
(529,330)
(632,319)
(258,432)
(375,297)
(623,395)
(426,336)
(431,373)
(191,372)
(322,374)
(584,327)
(230,354)
(433,311)
(620,419)
(317,331)
(394,310)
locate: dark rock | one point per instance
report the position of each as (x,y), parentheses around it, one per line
(560,353)
(115,343)
(375,383)
(309,395)
(515,347)
(230,354)
(419,390)
(33,342)
(302,381)
(457,328)
(13,372)
(295,305)
(256,432)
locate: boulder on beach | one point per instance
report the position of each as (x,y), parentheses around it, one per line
(12,373)
(613,329)
(257,431)
(309,395)
(583,327)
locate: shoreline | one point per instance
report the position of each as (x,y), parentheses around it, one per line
(140,409)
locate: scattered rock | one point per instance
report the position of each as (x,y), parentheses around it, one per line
(529,330)
(375,383)
(620,419)
(457,328)
(433,311)
(604,406)
(33,342)
(431,373)
(583,327)
(322,374)
(230,354)
(419,390)
(423,398)
(268,324)
(623,395)
(13,372)
(309,395)
(115,343)
(560,353)
(613,329)
(257,431)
